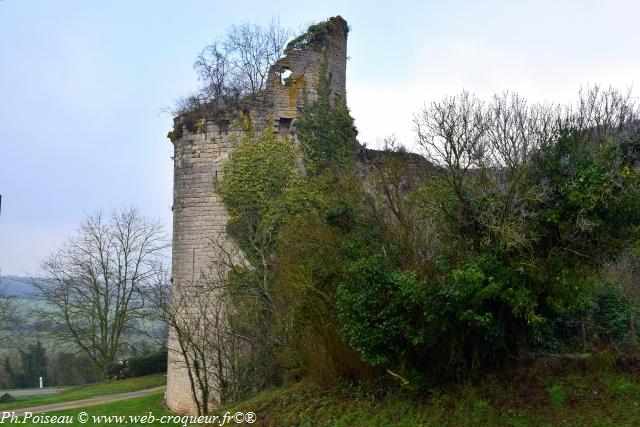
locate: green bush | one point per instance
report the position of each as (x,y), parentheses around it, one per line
(611,315)
(507,275)
(442,274)
(147,364)
(449,328)
(114,369)
(380,310)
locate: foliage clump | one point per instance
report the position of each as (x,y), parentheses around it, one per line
(315,35)
(508,244)
(526,207)
(256,182)
(257,186)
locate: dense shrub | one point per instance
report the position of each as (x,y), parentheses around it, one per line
(147,364)
(381,310)
(71,369)
(114,369)
(611,316)
(32,366)
(491,254)
(523,224)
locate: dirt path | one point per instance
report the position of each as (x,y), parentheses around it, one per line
(94,401)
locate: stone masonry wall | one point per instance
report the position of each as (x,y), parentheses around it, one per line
(198,213)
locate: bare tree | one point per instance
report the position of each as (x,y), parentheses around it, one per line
(483,151)
(394,180)
(96,282)
(452,132)
(206,345)
(599,112)
(235,66)
(219,326)
(252,50)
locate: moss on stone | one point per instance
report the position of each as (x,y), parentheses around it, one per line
(294,83)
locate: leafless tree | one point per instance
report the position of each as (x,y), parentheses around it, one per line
(205,343)
(96,283)
(235,66)
(394,182)
(483,150)
(462,133)
(452,132)
(599,111)
(251,51)
(218,324)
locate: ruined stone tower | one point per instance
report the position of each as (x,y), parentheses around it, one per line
(201,149)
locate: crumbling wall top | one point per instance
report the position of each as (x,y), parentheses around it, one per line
(291,81)
(318,35)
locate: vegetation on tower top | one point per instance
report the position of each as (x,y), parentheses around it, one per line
(316,34)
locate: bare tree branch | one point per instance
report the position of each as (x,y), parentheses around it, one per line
(96,282)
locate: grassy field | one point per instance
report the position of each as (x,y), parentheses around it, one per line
(579,391)
(87,391)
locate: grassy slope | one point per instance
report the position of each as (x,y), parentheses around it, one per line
(87,391)
(575,392)
(595,392)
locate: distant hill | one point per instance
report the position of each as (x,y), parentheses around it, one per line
(17,286)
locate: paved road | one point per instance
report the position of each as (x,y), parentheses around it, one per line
(32,391)
(94,401)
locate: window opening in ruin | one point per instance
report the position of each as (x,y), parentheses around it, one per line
(285,75)
(223,125)
(284,125)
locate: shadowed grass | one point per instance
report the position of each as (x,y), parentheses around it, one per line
(576,391)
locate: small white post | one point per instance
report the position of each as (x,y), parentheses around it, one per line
(40,382)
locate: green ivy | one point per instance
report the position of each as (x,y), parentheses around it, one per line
(326,130)
(256,181)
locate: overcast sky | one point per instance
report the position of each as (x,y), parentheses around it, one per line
(83,85)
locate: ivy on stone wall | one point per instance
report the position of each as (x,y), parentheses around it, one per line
(326,130)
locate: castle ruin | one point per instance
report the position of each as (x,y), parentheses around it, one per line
(200,152)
